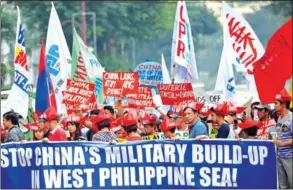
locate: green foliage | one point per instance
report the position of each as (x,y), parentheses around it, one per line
(282,8)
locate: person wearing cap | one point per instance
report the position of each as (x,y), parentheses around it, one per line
(103,123)
(89,130)
(196,127)
(72,123)
(10,122)
(129,123)
(118,130)
(148,122)
(284,142)
(218,114)
(249,128)
(168,127)
(57,133)
(178,117)
(263,111)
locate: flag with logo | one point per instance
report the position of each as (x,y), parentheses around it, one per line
(166,76)
(246,47)
(183,63)
(93,68)
(18,97)
(58,58)
(45,96)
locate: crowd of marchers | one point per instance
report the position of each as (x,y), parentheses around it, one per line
(117,124)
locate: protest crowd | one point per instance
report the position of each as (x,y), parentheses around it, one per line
(90,104)
(115,124)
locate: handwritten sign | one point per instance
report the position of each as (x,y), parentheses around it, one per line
(150,73)
(120,83)
(79,93)
(176,93)
(143,98)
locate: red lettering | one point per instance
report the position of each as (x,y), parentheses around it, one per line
(181,13)
(182,29)
(180,48)
(21,60)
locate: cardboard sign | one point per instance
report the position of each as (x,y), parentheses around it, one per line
(176,93)
(79,93)
(150,73)
(143,98)
(120,83)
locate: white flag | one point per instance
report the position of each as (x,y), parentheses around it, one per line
(58,58)
(182,47)
(246,47)
(166,76)
(18,98)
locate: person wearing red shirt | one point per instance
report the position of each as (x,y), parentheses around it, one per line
(263,115)
(56,131)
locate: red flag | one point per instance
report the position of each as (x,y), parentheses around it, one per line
(274,68)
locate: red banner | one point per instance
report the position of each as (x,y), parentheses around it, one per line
(172,94)
(79,93)
(120,83)
(143,98)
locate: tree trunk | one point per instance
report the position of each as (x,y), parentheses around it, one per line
(113,46)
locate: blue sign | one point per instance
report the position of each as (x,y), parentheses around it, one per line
(150,73)
(212,164)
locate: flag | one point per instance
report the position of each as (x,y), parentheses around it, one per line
(275,66)
(18,97)
(166,76)
(93,68)
(45,96)
(291,93)
(30,118)
(225,79)
(183,63)
(244,44)
(58,58)
(78,70)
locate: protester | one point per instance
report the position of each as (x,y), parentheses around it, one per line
(196,127)
(73,125)
(284,142)
(130,125)
(148,122)
(90,129)
(263,111)
(39,134)
(57,133)
(10,122)
(249,128)
(103,123)
(119,130)
(178,117)
(44,125)
(168,127)
(253,110)
(218,114)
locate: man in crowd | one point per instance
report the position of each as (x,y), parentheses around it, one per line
(57,133)
(196,127)
(249,128)
(218,114)
(148,122)
(263,111)
(10,122)
(168,127)
(129,123)
(284,142)
(103,123)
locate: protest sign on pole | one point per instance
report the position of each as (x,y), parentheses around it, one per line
(143,99)
(150,73)
(176,93)
(120,83)
(155,164)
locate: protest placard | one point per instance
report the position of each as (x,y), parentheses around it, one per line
(150,73)
(176,93)
(79,93)
(143,98)
(155,164)
(120,83)
(180,134)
